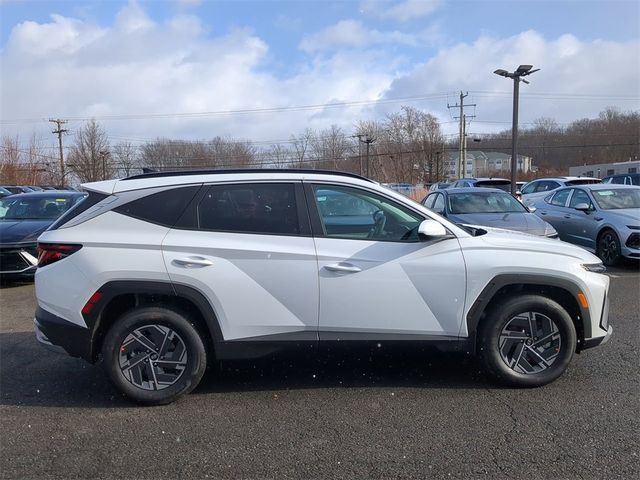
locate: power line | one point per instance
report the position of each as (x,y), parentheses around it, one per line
(329,105)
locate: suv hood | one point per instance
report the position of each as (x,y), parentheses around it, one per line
(511,240)
(522,222)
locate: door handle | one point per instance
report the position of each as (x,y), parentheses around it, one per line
(192,262)
(567,216)
(343,268)
(543,213)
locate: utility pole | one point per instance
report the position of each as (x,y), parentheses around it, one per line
(104,154)
(368,140)
(59,131)
(359,137)
(463,132)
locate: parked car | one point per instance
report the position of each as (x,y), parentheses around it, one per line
(623,179)
(22,218)
(538,189)
(501,183)
(165,271)
(17,189)
(439,186)
(604,218)
(487,207)
(4,192)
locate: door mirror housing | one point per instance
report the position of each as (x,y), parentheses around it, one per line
(583,207)
(531,209)
(429,229)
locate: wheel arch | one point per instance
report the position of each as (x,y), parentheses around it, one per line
(561,290)
(118,297)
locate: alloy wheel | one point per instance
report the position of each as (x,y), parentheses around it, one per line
(530,342)
(153,357)
(608,248)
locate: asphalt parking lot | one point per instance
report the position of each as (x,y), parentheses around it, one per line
(369,415)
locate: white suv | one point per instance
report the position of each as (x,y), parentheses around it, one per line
(156,274)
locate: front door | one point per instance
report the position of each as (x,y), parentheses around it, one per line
(377,279)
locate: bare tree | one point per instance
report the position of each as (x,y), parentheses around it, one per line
(301,144)
(89,159)
(125,158)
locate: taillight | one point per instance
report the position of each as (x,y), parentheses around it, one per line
(52,252)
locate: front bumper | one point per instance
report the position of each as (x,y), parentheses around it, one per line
(594,342)
(18,259)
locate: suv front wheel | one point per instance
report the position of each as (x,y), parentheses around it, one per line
(527,341)
(154,355)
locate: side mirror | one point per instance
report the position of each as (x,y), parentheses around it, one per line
(431,229)
(531,209)
(583,207)
(440,212)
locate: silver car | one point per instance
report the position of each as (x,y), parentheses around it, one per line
(538,189)
(604,218)
(488,207)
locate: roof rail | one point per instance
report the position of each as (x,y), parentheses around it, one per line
(243,170)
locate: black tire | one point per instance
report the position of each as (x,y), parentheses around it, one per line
(608,248)
(184,357)
(501,340)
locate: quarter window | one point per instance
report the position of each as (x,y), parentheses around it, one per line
(163,208)
(352,213)
(250,208)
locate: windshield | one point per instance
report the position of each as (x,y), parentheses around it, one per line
(484,202)
(34,208)
(616,199)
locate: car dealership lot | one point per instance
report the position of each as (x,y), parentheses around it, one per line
(369,415)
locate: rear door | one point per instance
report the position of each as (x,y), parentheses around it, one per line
(248,248)
(379,281)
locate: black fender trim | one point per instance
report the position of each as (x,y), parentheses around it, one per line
(505,280)
(113,289)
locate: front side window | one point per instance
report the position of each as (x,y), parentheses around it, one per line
(258,208)
(546,186)
(352,213)
(560,199)
(578,197)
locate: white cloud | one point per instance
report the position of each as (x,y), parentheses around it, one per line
(401,11)
(581,72)
(140,67)
(353,34)
(73,68)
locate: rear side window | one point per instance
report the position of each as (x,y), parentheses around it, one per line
(560,198)
(162,208)
(261,208)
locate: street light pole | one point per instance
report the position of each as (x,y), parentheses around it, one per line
(521,71)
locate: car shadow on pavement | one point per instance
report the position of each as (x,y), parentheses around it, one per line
(33,376)
(12,282)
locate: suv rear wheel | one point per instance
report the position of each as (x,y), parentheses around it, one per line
(527,341)
(154,355)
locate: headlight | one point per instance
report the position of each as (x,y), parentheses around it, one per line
(550,232)
(594,267)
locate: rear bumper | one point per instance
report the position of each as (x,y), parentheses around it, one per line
(57,334)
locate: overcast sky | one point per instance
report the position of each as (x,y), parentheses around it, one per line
(128,63)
